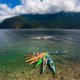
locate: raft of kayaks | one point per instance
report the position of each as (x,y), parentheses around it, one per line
(43,59)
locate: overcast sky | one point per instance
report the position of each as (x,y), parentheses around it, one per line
(10,8)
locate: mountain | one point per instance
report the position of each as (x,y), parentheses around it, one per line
(62,20)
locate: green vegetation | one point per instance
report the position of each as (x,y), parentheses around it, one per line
(60,20)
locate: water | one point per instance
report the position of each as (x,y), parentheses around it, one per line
(15,43)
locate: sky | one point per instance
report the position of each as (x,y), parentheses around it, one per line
(11,3)
(10,8)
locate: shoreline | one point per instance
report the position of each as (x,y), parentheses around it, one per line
(69,71)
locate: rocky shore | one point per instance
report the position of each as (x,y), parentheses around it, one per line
(69,71)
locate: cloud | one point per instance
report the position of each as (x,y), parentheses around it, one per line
(39,7)
(49,6)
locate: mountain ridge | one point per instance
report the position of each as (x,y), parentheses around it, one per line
(62,20)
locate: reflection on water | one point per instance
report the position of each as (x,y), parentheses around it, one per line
(22,41)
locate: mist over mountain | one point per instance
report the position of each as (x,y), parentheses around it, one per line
(62,20)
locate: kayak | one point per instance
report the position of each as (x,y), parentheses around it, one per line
(51,65)
(44,64)
(39,62)
(42,58)
(60,52)
(34,58)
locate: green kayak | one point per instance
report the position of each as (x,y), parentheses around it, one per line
(39,62)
